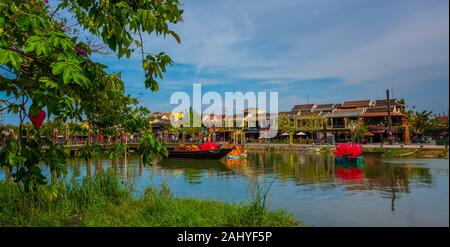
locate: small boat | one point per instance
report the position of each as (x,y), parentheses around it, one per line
(199,154)
(232,157)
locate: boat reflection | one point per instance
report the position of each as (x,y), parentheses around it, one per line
(311,171)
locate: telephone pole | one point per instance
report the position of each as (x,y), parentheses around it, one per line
(389,119)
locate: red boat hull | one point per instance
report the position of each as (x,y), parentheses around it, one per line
(199,154)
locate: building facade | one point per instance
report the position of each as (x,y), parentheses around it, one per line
(318,122)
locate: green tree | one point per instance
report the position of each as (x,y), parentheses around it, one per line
(358,130)
(189,117)
(437,127)
(285,125)
(46,66)
(421,121)
(313,123)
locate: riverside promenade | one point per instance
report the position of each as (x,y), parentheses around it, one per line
(395,150)
(373,145)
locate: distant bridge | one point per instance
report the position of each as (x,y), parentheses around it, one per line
(72,148)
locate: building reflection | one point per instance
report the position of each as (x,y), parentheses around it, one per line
(315,171)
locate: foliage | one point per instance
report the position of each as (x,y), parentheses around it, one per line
(101,201)
(46,66)
(314,123)
(117,23)
(188,122)
(438,126)
(422,123)
(147,142)
(358,129)
(258,207)
(285,124)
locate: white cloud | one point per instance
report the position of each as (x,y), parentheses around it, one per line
(368,44)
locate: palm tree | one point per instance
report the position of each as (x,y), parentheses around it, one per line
(358,130)
(422,121)
(311,125)
(286,125)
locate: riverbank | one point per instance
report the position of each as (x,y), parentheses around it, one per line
(101,201)
(387,151)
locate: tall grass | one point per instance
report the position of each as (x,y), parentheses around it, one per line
(259,193)
(101,201)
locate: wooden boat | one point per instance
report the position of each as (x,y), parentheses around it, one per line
(199,154)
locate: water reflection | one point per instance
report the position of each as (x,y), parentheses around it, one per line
(302,169)
(313,187)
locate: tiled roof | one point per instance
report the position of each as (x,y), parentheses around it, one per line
(325,107)
(379,109)
(284,113)
(383,102)
(380,114)
(308,114)
(305,107)
(356,103)
(253,110)
(287,113)
(346,112)
(442,118)
(269,115)
(160,116)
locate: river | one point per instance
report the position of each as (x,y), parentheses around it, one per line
(402,192)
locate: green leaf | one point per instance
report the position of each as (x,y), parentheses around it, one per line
(175,35)
(138,44)
(15,60)
(4,58)
(32,43)
(10,57)
(58,68)
(67,76)
(29,47)
(36,106)
(80,79)
(48,82)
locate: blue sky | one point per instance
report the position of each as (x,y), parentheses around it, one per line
(327,50)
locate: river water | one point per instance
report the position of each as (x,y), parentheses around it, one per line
(382,193)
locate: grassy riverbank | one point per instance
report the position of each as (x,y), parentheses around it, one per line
(392,153)
(387,152)
(101,201)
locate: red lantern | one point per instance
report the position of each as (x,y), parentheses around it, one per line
(38,119)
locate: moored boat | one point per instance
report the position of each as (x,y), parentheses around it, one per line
(199,154)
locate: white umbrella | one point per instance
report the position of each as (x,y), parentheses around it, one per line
(285,134)
(264,137)
(301,134)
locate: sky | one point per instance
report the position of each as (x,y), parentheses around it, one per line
(316,51)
